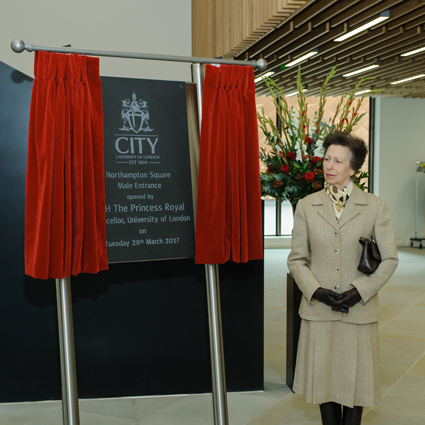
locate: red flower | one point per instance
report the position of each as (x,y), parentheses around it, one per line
(317,185)
(270,169)
(291,155)
(309,177)
(308,140)
(316,159)
(285,169)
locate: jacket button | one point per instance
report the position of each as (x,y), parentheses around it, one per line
(337,233)
(336,288)
(336,269)
(336,251)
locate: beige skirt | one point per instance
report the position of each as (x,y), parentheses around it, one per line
(338,362)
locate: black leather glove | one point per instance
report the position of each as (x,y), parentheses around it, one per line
(348,298)
(326,296)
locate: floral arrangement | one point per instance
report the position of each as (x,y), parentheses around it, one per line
(294,162)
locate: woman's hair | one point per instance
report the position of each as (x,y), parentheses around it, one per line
(356,145)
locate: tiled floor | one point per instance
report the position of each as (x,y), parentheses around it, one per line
(402,331)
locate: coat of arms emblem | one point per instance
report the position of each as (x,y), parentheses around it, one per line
(135,115)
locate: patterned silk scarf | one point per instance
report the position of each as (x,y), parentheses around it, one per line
(338,197)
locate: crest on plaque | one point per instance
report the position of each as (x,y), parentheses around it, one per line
(135,115)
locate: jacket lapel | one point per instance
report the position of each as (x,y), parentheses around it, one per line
(327,211)
(350,210)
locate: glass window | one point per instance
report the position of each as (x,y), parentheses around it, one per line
(270,224)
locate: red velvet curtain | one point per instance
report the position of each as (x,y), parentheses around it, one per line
(228,220)
(65,221)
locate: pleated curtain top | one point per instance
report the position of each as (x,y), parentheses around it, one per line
(65,223)
(229,219)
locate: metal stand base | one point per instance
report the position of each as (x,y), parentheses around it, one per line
(67,352)
(418,240)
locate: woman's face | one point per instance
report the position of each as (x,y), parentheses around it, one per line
(336,166)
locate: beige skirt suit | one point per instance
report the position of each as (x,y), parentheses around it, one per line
(338,353)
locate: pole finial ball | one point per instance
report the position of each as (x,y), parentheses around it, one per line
(18,46)
(261,64)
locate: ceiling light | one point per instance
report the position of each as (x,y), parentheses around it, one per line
(408,79)
(361,92)
(261,77)
(293,93)
(302,58)
(359,71)
(413,52)
(382,17)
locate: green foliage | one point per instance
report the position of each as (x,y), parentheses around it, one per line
(294,162)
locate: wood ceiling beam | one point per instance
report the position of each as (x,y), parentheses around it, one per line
(399,69)
(400,74)
(314,9)
(313,64)
(348,66)
(316,43)
(268,40)
(295,35)
(331,12)
(414,43)
(420,91)
(371,38)
(400,40)
(397,13)
(352,11)
(414,18)
(372,11)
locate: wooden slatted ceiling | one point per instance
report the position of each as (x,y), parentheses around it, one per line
(318,23)
(227,27)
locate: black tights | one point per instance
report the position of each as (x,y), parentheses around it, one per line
(333,415)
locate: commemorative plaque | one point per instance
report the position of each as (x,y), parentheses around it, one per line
(149,208)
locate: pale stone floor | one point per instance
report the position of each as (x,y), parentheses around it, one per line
(402,332)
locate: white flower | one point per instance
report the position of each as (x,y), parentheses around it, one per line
(319,151)
(299,155)
(298,150)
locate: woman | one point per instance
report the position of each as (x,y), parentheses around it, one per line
(338,352)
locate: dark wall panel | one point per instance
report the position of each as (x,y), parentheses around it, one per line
(140,328)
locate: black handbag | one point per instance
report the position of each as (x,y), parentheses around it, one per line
(370,258)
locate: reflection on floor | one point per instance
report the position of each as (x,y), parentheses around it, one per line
(402,331)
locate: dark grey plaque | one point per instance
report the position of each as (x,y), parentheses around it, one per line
(149,208)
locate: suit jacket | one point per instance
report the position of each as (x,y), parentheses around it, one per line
(326,253)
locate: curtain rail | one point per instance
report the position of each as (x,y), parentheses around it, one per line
(19,46)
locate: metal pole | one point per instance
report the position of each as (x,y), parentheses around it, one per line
(67,352)
(19,46)
(216,346)
(219,393)
(278,217)
(417,200)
